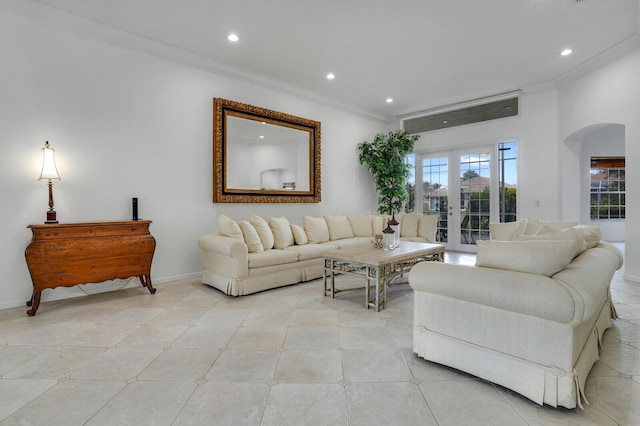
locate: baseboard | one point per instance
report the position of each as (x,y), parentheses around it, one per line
(81,290)
(632,278)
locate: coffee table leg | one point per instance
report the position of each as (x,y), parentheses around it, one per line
(367,287)
(377,289)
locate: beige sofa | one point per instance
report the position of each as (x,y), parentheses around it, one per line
(245,257)
(529,315)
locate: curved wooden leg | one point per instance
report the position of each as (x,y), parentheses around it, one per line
(146,282)
(35,303)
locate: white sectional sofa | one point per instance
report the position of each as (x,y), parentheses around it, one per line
(245,257)
(529,315)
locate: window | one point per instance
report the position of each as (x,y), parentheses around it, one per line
(607,188)
(508,180)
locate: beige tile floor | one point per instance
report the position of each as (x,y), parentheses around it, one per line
(189,355)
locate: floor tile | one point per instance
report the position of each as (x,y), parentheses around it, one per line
(310,366)
(225,404)
(18,392)
(312,338)
(180,364)
(258,338)
(145,403)
(385,404)
(306,404)
(117,363)
(363,365)
(244,366)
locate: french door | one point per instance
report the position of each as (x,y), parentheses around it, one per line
(458,187)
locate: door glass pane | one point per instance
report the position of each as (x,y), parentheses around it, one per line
(508,181)
(475,186)
(435,183)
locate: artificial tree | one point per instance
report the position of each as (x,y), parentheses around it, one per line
(385,159)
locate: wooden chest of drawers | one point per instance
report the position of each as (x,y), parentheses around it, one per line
(63,255)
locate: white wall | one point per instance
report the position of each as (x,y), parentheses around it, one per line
(125,124)
(535,130)
(610,94)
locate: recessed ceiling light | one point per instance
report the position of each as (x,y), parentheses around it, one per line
(331,76)
(232,37)
(389,100)
(261,136)
(566,52)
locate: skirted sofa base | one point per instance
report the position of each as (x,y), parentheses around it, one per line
(238,263)
(537,334)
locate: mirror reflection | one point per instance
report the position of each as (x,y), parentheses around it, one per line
(264,156)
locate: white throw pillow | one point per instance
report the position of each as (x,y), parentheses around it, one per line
(592,235)
(299,236)
(409,225)
(427,225)
(378,223)
(547,233)
(506,231)
(360,225)
(339,227)
(251,237)
(316,229)
(534,257)
(229,228)
(282,235)
(533,225)
(264,231)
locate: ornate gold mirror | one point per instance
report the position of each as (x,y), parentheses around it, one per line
(264,156)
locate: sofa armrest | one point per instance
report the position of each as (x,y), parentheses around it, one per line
(529,294)
(224,255)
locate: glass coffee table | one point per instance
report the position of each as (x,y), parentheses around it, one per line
(378,267)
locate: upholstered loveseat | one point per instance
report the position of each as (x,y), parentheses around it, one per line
(529,315)
(245,257)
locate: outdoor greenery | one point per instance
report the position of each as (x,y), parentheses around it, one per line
(385,159)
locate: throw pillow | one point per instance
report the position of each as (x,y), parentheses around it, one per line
(264,231)
(339,227)
(409,225)
(229,228)
(251,237)
(316,229)
(299,236)
(360,225)
(542,257)
(547,233)
(533,225)
(282,235)
(506,231)
(427,225)
(592,235)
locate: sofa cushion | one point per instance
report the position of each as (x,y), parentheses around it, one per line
(316,229)
(311,251)
(282,235)
(229,228)
(264,231)
(339,227)
(592,235)
(427,225)
(271,257)
(360,225)
(506,231)
(542,257)
(378,223)
(299,236)
(251,237)
(352,242)
(408,224)
(547,233)
(533,225)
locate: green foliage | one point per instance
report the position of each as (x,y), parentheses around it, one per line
(385,159)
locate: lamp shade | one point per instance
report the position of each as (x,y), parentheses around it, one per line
(49,170)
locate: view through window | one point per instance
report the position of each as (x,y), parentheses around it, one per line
(607,188)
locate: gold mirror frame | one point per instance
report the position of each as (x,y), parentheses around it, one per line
(224,109)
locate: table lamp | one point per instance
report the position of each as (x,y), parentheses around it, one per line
(49,173)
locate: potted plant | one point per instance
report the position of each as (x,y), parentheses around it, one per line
(385,159)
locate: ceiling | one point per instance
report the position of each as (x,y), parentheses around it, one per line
(422,53)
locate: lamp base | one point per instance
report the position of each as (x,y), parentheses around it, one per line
(51,217)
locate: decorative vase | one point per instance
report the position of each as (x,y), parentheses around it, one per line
(388,241)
